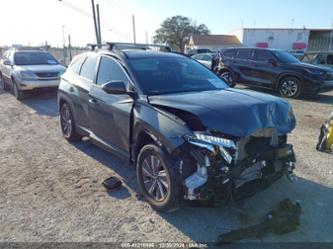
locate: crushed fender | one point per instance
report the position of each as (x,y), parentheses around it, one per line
(284,219)
(325,140)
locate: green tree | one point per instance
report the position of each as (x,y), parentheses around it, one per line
(177,30)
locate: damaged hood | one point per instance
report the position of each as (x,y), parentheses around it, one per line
(231,111)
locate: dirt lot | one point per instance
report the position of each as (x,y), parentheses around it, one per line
(51,190)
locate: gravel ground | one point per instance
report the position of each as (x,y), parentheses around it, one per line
(51,190)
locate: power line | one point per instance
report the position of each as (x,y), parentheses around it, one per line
(106,24)
(125,7)
(113,5)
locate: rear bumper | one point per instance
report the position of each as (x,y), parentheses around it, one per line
(26,85)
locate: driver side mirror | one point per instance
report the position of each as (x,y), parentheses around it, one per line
(7,62)
(115,87)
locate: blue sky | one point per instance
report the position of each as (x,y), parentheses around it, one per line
(38,21)
(221,16)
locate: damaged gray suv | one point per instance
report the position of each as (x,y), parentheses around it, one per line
(190,136)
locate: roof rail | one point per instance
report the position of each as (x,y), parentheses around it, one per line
(141,46)
(93,46)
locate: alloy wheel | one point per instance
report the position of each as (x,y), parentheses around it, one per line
(155,178)
(289,88)
(227,77)
(66,120)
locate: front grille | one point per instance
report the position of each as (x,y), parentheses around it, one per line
(47,74)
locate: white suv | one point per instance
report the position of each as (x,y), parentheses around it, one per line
(28,70)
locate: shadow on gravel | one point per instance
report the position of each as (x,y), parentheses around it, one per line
(204,224)
(43,102)
(123,169)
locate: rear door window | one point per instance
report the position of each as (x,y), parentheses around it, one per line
(110,70)
(244,54)
(262,55)
(88,68)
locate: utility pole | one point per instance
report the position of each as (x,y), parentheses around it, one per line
(134,31)
(64,44)
(70,47)
(95,22)
(331,39)
(99,27)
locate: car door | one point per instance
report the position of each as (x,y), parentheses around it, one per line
(244,66)
(264,70)
(81,88)
(110,114)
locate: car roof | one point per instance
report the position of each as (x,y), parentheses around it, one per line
(140,54)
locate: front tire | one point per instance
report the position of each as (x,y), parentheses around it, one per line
(157,178)
(68,124)
(290,87)
(19,94)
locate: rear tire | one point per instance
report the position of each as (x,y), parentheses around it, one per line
(3,84)
(67,124)
(19,94)
(290,87)
(157,178)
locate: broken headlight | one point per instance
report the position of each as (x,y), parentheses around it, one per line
(213,144)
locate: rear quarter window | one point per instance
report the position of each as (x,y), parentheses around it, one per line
(77,63)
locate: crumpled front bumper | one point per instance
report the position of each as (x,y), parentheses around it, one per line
(216,181)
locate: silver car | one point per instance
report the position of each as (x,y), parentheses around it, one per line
(29,70)
(204,58)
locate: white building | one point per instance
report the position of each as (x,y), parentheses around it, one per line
(286,39)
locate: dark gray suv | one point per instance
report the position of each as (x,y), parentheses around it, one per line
(189,135)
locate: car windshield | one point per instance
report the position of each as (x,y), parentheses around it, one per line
(34,58)
(285,57)
(174,75)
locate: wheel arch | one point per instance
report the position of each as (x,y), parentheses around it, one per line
(151,125)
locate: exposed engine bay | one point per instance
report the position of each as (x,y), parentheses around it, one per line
(227,169)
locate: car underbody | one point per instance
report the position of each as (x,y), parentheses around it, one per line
(225,171)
